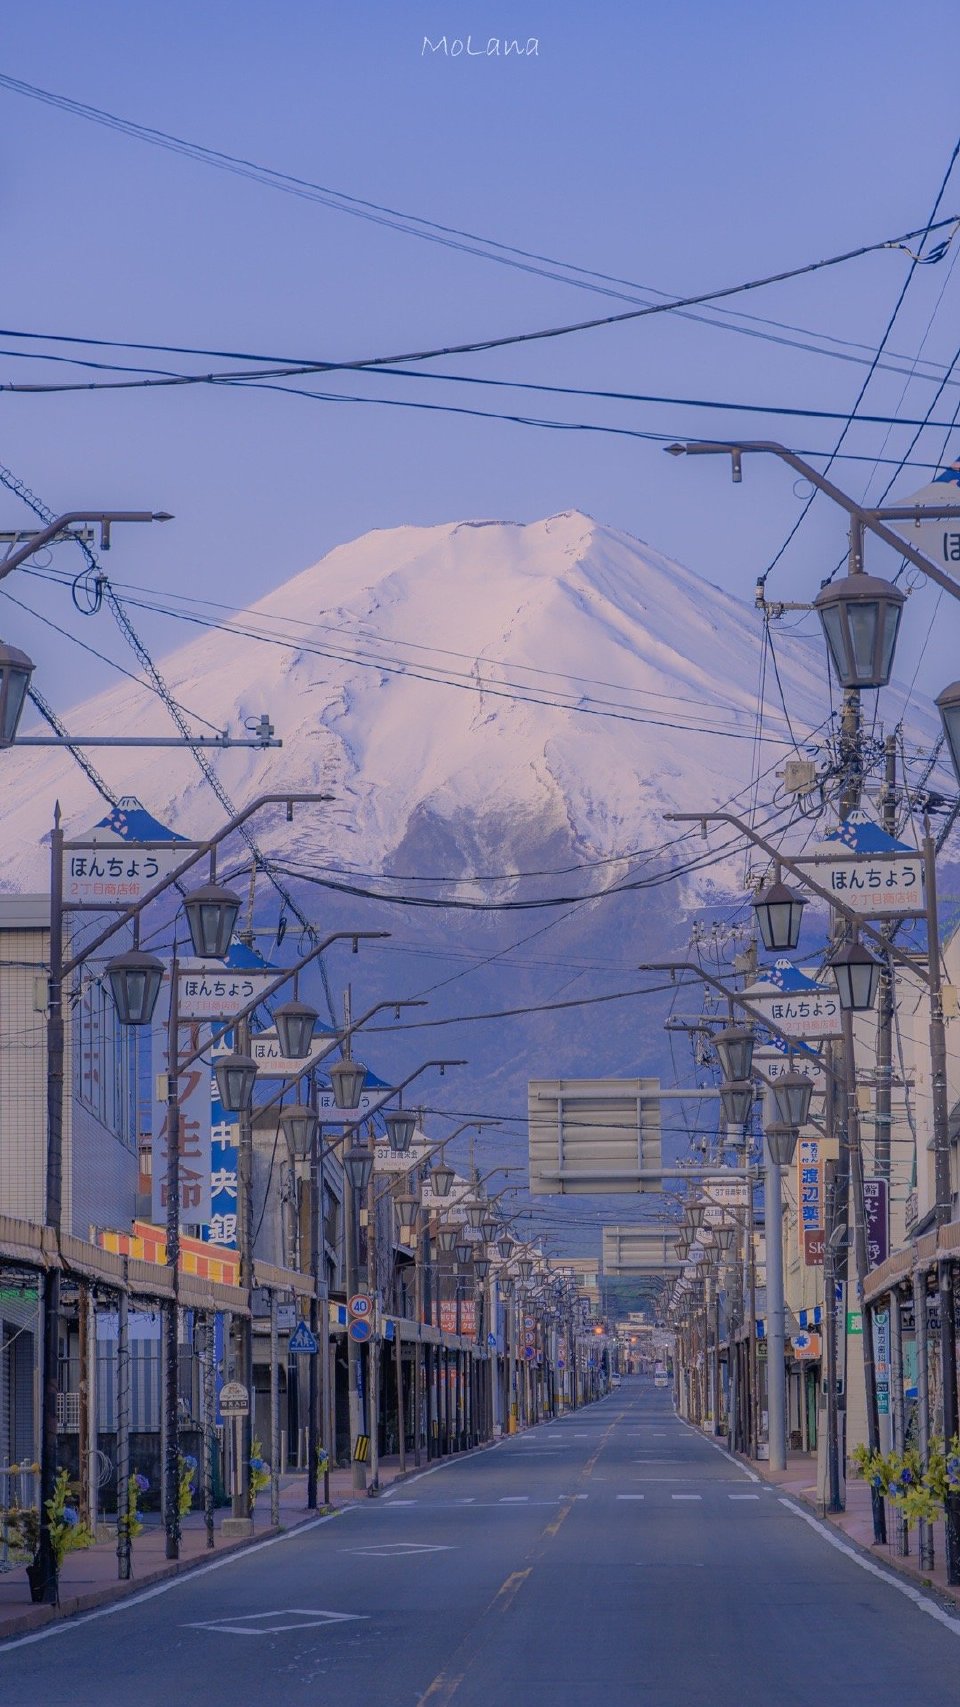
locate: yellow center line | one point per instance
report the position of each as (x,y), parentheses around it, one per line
(446,1683)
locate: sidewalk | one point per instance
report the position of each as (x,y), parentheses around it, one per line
(89,1577)
(799,1482)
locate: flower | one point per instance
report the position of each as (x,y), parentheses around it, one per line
(143,1484)
(69,1516)
(906,1476)
(877,1482)
(190,1462)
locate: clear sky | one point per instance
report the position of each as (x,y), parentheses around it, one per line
(682,147)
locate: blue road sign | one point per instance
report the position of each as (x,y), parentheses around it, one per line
(360,1330)
(302,1340)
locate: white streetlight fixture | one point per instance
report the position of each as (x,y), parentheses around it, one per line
(446,1237)
(782,1143)
(489,1228)
(400,1129)
(135,979)
(441,1179)
(948,705)
(736,1100)
(504,1247)
(15,672)
(734,1047)
(408,1213)
(236,1076)
(299,1124)
(462,1250)
(791,1096)
(860,617)
(858,977)
(481,1266)
(346,1078)
(476,1213)
(211,916)
(525,1267)
(358,1162)
(779,913)
(294,1022)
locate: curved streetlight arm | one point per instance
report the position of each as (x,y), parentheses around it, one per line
(193,858)
(282,978)
(800,873)
(47,535)
(350,1126)
(871,519)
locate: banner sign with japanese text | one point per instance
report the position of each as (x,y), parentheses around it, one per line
(221,1228)
(211,991)
(868,870)
(795,1002)
(875,1214)
(121,859)
(810,1195)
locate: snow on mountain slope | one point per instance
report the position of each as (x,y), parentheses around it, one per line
(411,682)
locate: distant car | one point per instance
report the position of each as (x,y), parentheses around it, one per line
(660,1381)
(615,1380)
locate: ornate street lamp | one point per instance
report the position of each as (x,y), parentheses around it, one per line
(481,1267)
(948,705)
(860,617)
(734,1047)
(236,1076)
(791,1096)
(211,916)
(476,1213)
(489,1229)
(446,1237)
(463,1251)
(725,1234)
(858,977)
(779,913)
(525,1267)
(782,1142)
(736,1100)
(346,1078)
(135,979)
(15,672)
(358,1162)
(504,1247)
(294,1023)
(400,1126)
(408,1212)
(299,1124)
(441,1179)
(506,1287)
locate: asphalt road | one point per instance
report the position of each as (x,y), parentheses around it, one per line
(612,1559)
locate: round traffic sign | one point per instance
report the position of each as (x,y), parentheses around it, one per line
(360,1304)
(359,1330)
(234,1400)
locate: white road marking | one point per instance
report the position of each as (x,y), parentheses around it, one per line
(920,1601)
(514,1499)
(686,1496)
(399,1549)
(743,1496)
(640,1496)
(252,1623)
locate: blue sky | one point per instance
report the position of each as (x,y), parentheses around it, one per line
(681,147)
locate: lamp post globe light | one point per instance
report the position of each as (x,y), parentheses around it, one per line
(299,1124)
(725,1234)
(15,672)
(446,1237)
(346,1078)
(948,705)
(294,1022)
(236,1076)
(481,1267)
(860,617)
(791,1097)
(504,1247)
(857,974)
(734,1047)
(408,1213)
(401,1126)
(779,911)
(441,1179)
(736,1100)
(462,1250)
(489,1228)
(506,1287)
(358,1162)
(782,1143)
(135,979)
(476,1213)
(211,914)
(525,1267)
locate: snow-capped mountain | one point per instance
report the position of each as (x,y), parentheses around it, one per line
(480,699)
(491,688)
